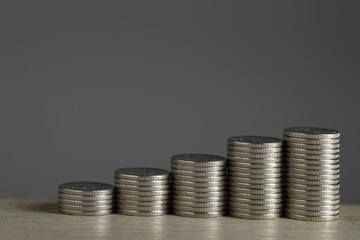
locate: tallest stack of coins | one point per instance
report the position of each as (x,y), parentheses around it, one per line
(312,173)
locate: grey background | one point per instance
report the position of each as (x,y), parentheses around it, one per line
(90,86)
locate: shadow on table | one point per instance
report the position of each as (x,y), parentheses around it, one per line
(36,206)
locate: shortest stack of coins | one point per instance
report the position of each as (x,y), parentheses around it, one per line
(86,198)
(142,191)
(199,185)
(255,177)
(312,173)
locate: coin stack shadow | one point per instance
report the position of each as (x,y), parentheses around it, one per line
(86,198)
(255,177)
(312,173)
(199,185)
(142,191)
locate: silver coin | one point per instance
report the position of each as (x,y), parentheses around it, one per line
(198,169)
(142,214)
(238,181)
(198,210)
(311,132)
(199,160)
(312,157)
(235,184)
(311,141)
(200,195)
(255,170)
(313,182)
(312,172)
(313,208)
(198,205)
(255,201)
(312,177)
(86,188)
(258,176)
(255,155)
(254,150)
(144,208)
(86,208)
(311,162)
(198,179)
(312,203)
(254,160)
(312,219)
(198,215)
(255,211)
(142,193)
(199,199)
(254,141)
(254,217)
(312,167)
(142,198)
(147,183)
(121,202)
(237,205)
(312,146)
(199,189)
(199,184)
(142,174)
(312,192)
(85,213)
(313,152)
(312,187)
(254,165)
(143,189)
(255,191)
(313,198)
(256,196)
(86,197)
(85,203)
(197,174)
(311,213)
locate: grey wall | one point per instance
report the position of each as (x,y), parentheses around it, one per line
(90,86)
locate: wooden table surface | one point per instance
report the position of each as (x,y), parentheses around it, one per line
(38,219)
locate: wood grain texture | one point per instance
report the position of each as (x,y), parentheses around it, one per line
(38,219)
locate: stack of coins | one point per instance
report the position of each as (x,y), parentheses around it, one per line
(86,198)
(142,191)
(199,185)
(312,173)
(255,177)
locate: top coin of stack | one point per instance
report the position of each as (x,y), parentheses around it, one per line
(255,177)
(199,185)
(86,198)
(312,173)
(142,191)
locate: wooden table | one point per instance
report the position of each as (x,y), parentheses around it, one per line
(38,219)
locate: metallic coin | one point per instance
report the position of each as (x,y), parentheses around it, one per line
(237,184)
(313,208)
(254,160)
(254,150)
(198,174)
(142,193)
(312,167)
(199,160)
(256,196)
(256,191)
(312,146)
(142,198)
(313,152)
(312,203)
(198,215)
(85,203)
(240,164)
(311,213)
(255,211)
(198,210)
(86,197)
(86,188)
(142,174)
(313,182)
(312,187)
(312,172)
(313,198)
(254,217)
(311,141)
(258,176)
(311,132)
(199,189)
(312,157)
(255,170)
(311,162)
(238,181)
(142,214)
(143,189)
(147,183)
(86,208)
(311,177)
(144,208)
(312,219)
(87,213)
(198,169)
(200,195)
(236,205)
(199,205)
(121,202)
(255,155)
(254,141)
(312,192)
(199,199)
(255,201)
(198,179)
(199,184)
